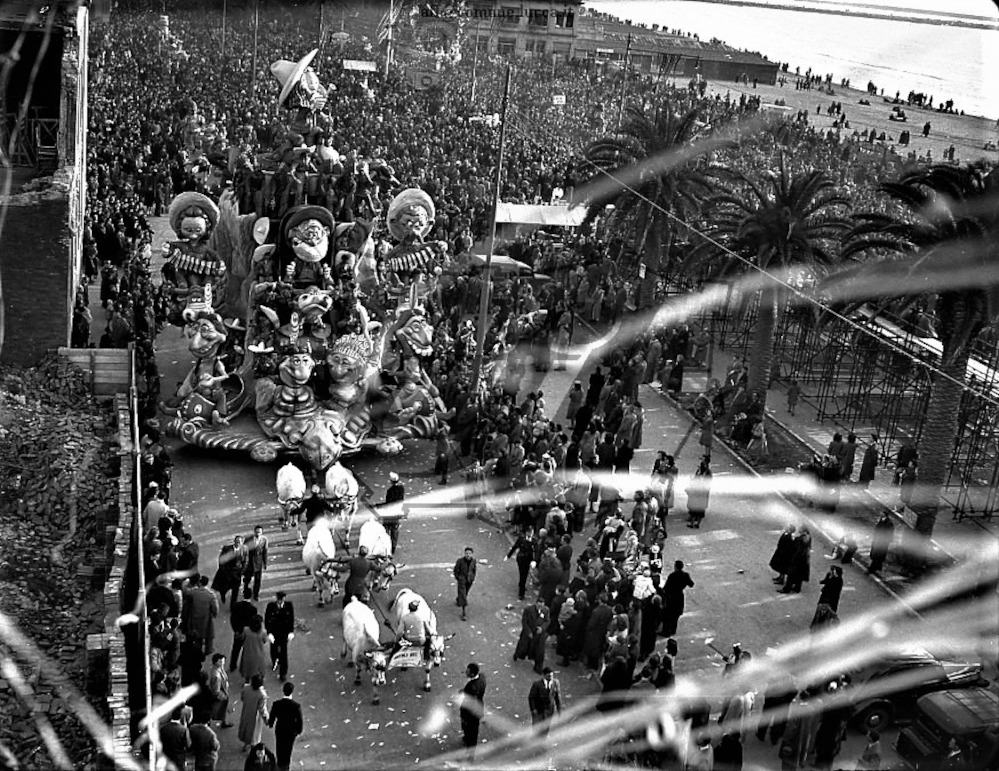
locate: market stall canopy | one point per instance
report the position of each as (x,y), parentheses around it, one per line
(554,215)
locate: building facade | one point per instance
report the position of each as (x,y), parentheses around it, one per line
(44,112)
(563,30)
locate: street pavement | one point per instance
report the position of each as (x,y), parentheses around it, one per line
(734,599)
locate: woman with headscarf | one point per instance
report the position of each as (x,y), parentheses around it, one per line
(254,657)
(698,494)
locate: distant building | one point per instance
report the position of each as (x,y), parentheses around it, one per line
(562,30)
(43,109)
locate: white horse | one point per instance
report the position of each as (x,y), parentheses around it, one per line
(291,489)
(408,656)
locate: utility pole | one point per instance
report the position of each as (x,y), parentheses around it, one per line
(486,292)
(624,82)
(256,26)
(322,37)
(224,3)
(475,61)
(388,47)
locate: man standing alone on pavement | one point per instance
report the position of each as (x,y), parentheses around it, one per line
(256,561)
(279,618)
(464,576)
(524,548)
(472,705)
(218,684)
(286,720)
(534,633)
(544,700)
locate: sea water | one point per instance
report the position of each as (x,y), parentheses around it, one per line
(947,62)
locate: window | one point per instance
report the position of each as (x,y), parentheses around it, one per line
(506,46)
(537,17)
(537,46)
(564,19)
(509,16)
(482,44)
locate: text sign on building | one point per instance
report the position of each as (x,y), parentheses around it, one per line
(559,100)
(359,64)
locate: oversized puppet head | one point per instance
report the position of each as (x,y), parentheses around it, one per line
(193,216)
(297,366)
(207,332)
(305,242)
(347,360)
(411,214)
(321,444)
(300,86)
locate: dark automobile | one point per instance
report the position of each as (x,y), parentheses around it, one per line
(886,690)
(953,729)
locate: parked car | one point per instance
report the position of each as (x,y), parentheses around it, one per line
(886,691)
(957,729)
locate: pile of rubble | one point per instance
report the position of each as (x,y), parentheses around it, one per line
(58,490)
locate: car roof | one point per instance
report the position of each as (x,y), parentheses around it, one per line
(962,711)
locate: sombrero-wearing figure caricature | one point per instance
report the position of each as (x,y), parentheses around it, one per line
(190,260)
(304,96)
(410,218)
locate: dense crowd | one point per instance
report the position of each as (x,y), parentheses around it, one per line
(167,118)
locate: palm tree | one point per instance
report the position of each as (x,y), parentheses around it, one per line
(941,242)
(668,186)
(774,222)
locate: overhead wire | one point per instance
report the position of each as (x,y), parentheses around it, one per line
(526,134)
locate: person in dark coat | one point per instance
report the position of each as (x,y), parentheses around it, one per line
(279,618)
(260,759)
(884,533)
(799,568)
(472,699)
(533,634)
(596,632)
(524,548)
(544,700)
(782,554)
(728,753)
(175,739)
(569,637)
(832,587)
(550,575)
(869,464)
(623,457)
(616,679)
(676,583)
(829,738)
(652,619)
(464,575)
(240,618)
(286,720)
(595,386)
(232,564)
(847,457)
(776,701)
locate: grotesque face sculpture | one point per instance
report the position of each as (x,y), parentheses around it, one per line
(309,240)
(321,445)
(207,335)
(347,360)
(416,336)
(297,368)
(413,220)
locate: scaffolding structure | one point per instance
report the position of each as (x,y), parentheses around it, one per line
(879,383)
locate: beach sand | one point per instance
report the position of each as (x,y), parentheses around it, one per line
(967,133)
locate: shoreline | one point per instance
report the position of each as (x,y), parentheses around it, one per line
(968,133)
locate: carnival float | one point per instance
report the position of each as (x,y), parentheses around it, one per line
(302,343)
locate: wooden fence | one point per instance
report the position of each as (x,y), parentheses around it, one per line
(107,369)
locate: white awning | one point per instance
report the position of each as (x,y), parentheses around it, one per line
(555,215)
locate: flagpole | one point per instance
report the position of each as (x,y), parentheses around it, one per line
(475,61)
(256,26)
(388,47)
(223,29)
(486,292)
